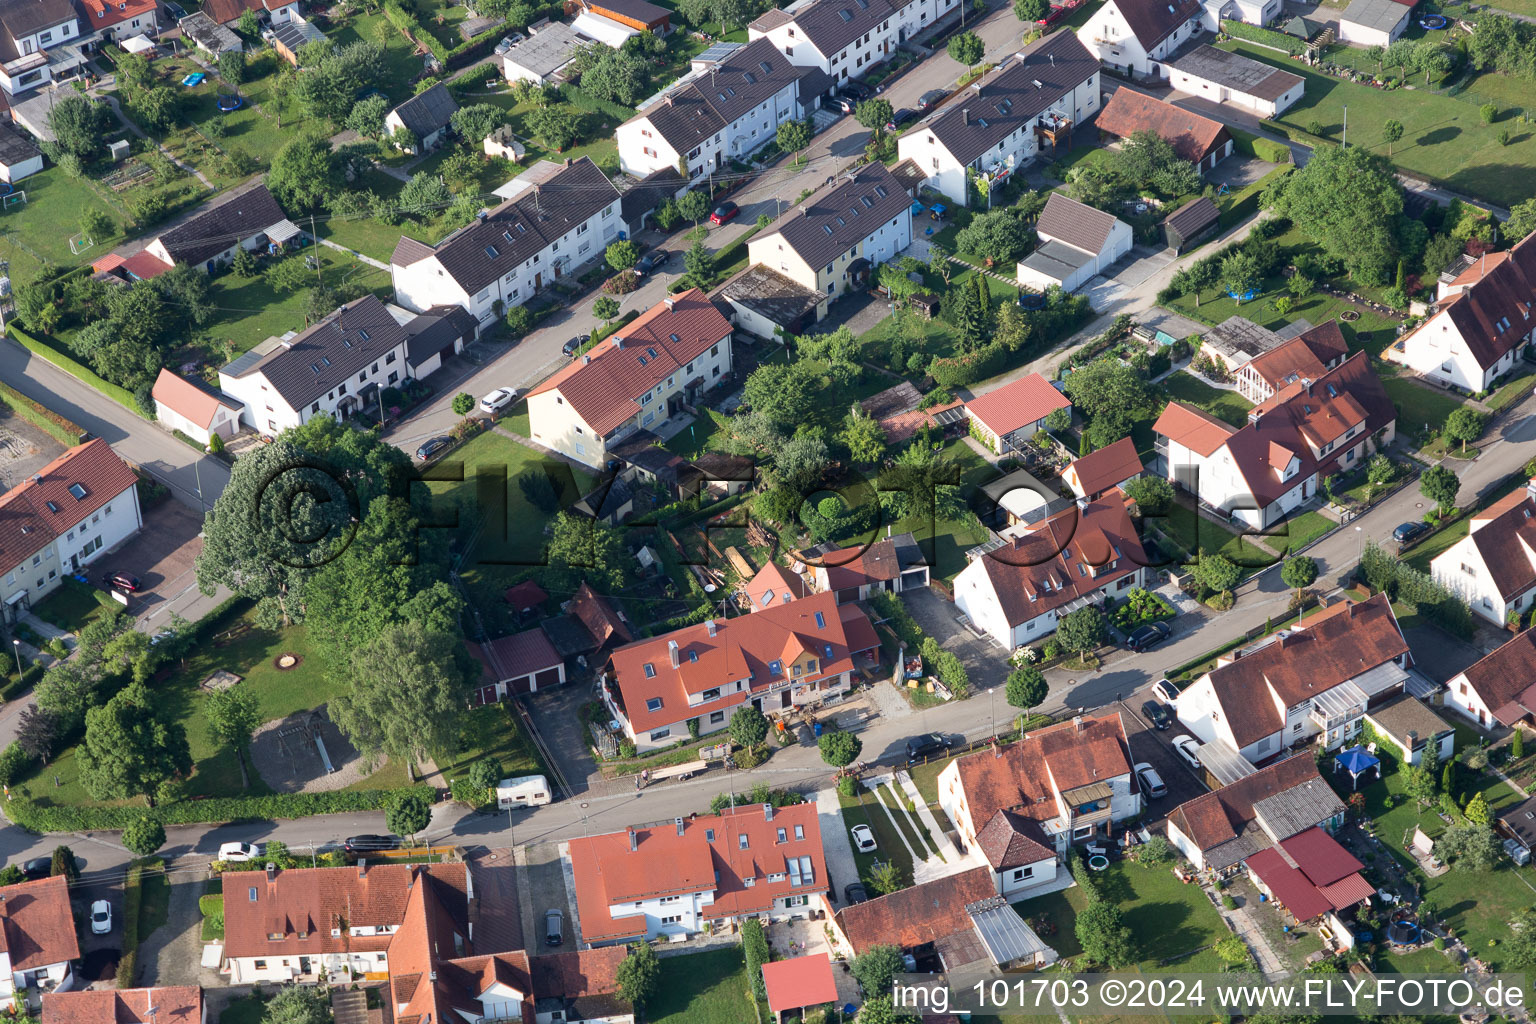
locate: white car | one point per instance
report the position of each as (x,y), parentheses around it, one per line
(1151,782)
(498,399)
(864,839)
(101,917)
(239,853)
(1186,745)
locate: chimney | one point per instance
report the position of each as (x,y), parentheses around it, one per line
(362,867)
(673,654)
(618,341)
(679,823)
(271,873)
(1079,723)
(567,161)
(709,626)
(965,115)
(767,812)
(669,303)
(586,358)
(634,841)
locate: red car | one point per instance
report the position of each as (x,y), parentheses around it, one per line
(1056,14)
(724,212)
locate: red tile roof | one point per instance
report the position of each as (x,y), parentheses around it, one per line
(1193,428)
(703,854)
(1307,355)
(1502,291)
(799,981)
(1017,404)
(857,629)
(178,1004)
(1320,857)
(582,976)
(188,399)
(520,654)
(1506,679)
(1108,467)
(774,584)
(525,595)
(600,618)
(144,265)
(1025,776)
(1288,886)
(1221,816)
(102,13)
(37,928)
(42,507)
(1012,840)
(1193,137)
(227,11)
(861,564)
(919,914)
(602,385)
(1347,891)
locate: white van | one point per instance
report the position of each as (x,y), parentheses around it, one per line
(525,791)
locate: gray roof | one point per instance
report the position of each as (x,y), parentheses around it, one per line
(831,25)
(1023,479)
(428,111)
(1237,72)
(1292,811)
(1005,934)
(1235,851)
(1383,15)
(546,51)
(21,18)
(999,103)
(1225,764)
(1056,261)
(640,10)
(517,229)
(435,330)
(1241,339)
(207,33)
(1402,715)
(223,225)
(15,147)
(1521,821)
(742,80)
(834,220)
(328,354)
(1193,217)
(649,192)
(770,294)
(1077,224)
(569,636)
(294,34)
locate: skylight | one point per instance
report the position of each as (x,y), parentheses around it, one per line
(650,352)
(490,251)
(78,490)
(363,334)
(869,204)
(767,68)
(880,191)
(845,14)
(51,506)
(750,77)
(827,228)
(326,360)
(674,338)
(507,235)
(821,621)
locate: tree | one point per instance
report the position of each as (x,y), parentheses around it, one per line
(1470,846)
(882,1009)
(700,264)
(877,967)
(409,815)
(1440,486)
(1103,935)
(1239,273)
(1031,10)
(594,548)
(1105,385)
(639,973)
(1082,630)
(64,864)
(1026,688)
(784,394)
(297,1004)
(424,195)
(998,236)
(1156,850)
(1153,494)
(233,715)
(1516,745)
(874,114)
(553,127)
(793,136)
(367,116)
(693,205)
(539,490)
(78,124)
(839,749)
(1477,811)
(232,66)
(865,438)
(605,307)
(1299,572)
(1464,424)
(37,731)
(305,173)
(1391,131)
(748,727)
(1521,222)
(248,25)
(144,835)
(1350,202)
(463,403)
(96,226)
(405,689)
(129,750)
(885,878)
(967,48)
(621,255)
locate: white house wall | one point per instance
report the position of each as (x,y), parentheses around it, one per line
(1108,36)
(1218,93)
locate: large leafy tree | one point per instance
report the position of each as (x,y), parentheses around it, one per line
(297,1004)
(129,750)
(1082,630)
(406,688)
(1440,486)
(594,548)
(639,973)
(305,173)
(1103,935)
(233,715)
(784,394)
(1000,236)
(748,726)
(1026,687)
(78,125)
(877,967)
(144,836)
(967,48)
(1350,202)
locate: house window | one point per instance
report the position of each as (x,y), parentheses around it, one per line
(653,704)
(252,893)
(1019,874)
(799,831)
(742,841)
(261,965)
(783,836)
(716,717)
(775,668)
(661,734)
(711,694)
(650,671)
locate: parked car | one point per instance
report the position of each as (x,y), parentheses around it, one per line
(504,45)
(653,260)
(1055,15)
(853,893)
(432,447)
(176,11)
(101,917)
(1151,781)
(1187,747)
(554,927)
(900,118)
(570,347)
(239,853)
(864,839)
(38,867)
(1167,690)
(927,745)
(124,581)
(1407,531)
(1157,713)
(848,104)
(931,99)
(371,843)
(724,212)
(858,90)
(498,399)
(1144,638)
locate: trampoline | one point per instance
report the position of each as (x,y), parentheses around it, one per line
(6,188)
(230,101)
(1031,300)
(1403,933)
(1433,22)
(1098,862)
(196,78)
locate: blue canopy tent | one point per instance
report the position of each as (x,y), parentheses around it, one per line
(917,208)
(1357,762)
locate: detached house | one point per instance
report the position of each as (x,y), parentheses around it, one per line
(1007,117)
(1095,474)
(1201,141)
(564,216)
(889,565)
(34,43)
(1005,418)
(1494,566)
(643,374)
(1137,36)
(229,12)
(1270,467)
(1314,680)
(1064,784)
(424,117)
(832,241)
(780,657)
(195,410)
(1480,323)
(723,110)
(37,939)
(1016,589)
(1077,243)
(1501,687)
(250,220)
(842,38)
(699,873)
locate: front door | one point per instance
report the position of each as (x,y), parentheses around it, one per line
(784,698)
(304,965)
(538,281)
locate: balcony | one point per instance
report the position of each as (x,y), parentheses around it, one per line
(1336,708)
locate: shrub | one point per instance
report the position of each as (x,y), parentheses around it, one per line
(1228,902)
(847,787)
(1488,112)
(223,809)
(754,944)
(13,762)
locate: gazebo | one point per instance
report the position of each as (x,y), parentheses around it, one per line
(1357,762)
(798,983)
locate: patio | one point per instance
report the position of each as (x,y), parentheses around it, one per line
(799,937)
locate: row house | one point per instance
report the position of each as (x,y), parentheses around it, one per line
(1493,567)
(163,1004)
(1499,688)
(116,20)
(562,217)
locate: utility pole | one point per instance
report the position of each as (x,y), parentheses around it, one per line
(1345,141)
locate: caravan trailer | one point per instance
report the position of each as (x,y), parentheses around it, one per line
(525,791)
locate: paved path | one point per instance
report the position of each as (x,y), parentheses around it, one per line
(354,254)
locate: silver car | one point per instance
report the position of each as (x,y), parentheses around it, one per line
(1151,782)
(1187,745)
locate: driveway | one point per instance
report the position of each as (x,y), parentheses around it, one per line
(1151,746)
(986,665)
(172,953)
(556,716)
(842,869)
(1439,655)
(500,925)
(541,887)
(161,556)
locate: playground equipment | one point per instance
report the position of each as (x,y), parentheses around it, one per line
(194,79)
(230,101)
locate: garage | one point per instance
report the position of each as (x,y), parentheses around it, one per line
(1077,243)
(524,662)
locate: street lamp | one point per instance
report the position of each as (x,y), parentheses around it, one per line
(16,647)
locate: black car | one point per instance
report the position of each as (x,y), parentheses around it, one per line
(570,347)
(1406,532)
(931,744)
(1144,638)
(854,893)
(1157,714)
(368,844)
(931,99)
(653,260)
(432,447)
(124,581)
(176,11)
(38,867)
(899,118)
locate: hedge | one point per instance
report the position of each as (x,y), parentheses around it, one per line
(579,97)
(1268,150)
(63,430)
(407,22)
(68,365)
(1264,37)
(218,810)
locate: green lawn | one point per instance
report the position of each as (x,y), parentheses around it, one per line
(39,231)
(1419,407)
(1191,533)
(1517,388)
(1297,531)
(863,809)
(1224,405)
(154,903)
(1435,546)
(492,731)
(70,607)
(400,62)
(251,310)
(702,988)
(246,1010)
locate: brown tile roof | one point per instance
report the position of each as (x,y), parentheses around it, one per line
(1076,224)
(1503,292)
(226,11)
(1025,776)
(602,385)
(1504,535)
(1506,679)
(1153,21)
(1193,217)
(1404,714)
(1193,428)
(183,396)
(599,616)
(1017,403)
(1193,137)
(1012,840)
(1224,814)
(1108,467)
(861,564)
(178,1004)
(43,506)
(1308,355)
(520,654)
(916,916)
(37,928)
(585,979)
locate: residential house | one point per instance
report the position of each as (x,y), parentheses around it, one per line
(1191,224)
(229,12)
(524,662)
(765,302)
(1410,725)
(1493,567)
(644,197)
(636,15)
(164,1004)
(1096,473)
(791,654)
(834,239)
(1500,687)
(641,375)
(956,924)
(1223,76)
(1237,340)
(37,938)
(888,565)
(19,158)
(420,124)
(1314,680)
(701,873)
(1254,12)
(1201,141)
(1308,356)
(1270,467)
(35,44)
(1077,243)
(843,38)
(1519,822)
(1015,589)
(722,111)
(1072,781)
(773,585)
(913,16)
(334,368)
(1006,118)
(1005,418)
(116,20)
(1019,852)
(1374,22)
(1480,324)
(565,217)
(1219,830)
(250,220)
(543,56)
(194,409)
(580,985)
(1137,37)
(60,519)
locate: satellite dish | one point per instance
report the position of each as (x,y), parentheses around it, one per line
(710,588)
